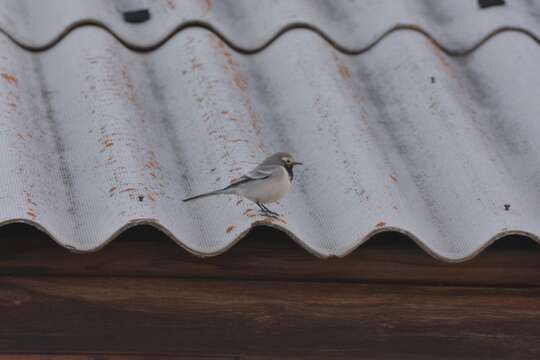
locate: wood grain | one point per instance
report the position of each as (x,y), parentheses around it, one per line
(267,254)
(274,319)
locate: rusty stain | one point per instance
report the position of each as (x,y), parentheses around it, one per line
(9,78)
(250,213)
(393,178)
(229,228)
(342,69)
(380,224)
(129,85)
(108,143)
(225,112)
(30,211)
(127,190)
(151,196)
(112,189)
(269,220)
(206,6)
(196,66)
(240,80)
(152,164)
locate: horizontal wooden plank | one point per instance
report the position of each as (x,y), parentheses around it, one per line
(270,318)
(102,356)
(267,254)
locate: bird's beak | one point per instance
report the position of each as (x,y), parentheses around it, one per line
(297,163)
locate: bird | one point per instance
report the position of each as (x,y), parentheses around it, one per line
(267,183)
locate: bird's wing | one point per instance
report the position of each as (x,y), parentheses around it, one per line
(259,173)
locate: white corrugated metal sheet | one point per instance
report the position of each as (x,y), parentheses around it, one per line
(95,138)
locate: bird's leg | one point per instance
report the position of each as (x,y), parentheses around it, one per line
(263,209)
(267,210)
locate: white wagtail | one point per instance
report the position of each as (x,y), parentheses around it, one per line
(267,183)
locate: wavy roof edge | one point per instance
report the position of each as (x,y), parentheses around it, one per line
(474,45)
(267,223)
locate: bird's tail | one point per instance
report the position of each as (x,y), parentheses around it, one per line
(211,193)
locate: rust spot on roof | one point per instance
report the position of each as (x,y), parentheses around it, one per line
(380,224)
(129,85)
(393,178)
(152,164)
(112,189)
(127,190)
(240,81)
(207,6)
(250,213)
(9,78)
(270,220)
(344,71)
(229,228)
(31,214)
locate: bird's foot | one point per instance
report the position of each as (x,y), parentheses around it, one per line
(267,212)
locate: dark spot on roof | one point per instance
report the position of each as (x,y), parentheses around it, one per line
(432,79)
(488,3)
(141,198)
(506,207)
(136,16)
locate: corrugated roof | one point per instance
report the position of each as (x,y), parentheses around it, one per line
(95,137)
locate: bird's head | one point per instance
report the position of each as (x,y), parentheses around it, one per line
(284,159)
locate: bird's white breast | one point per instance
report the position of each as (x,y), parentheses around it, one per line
(267,190)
